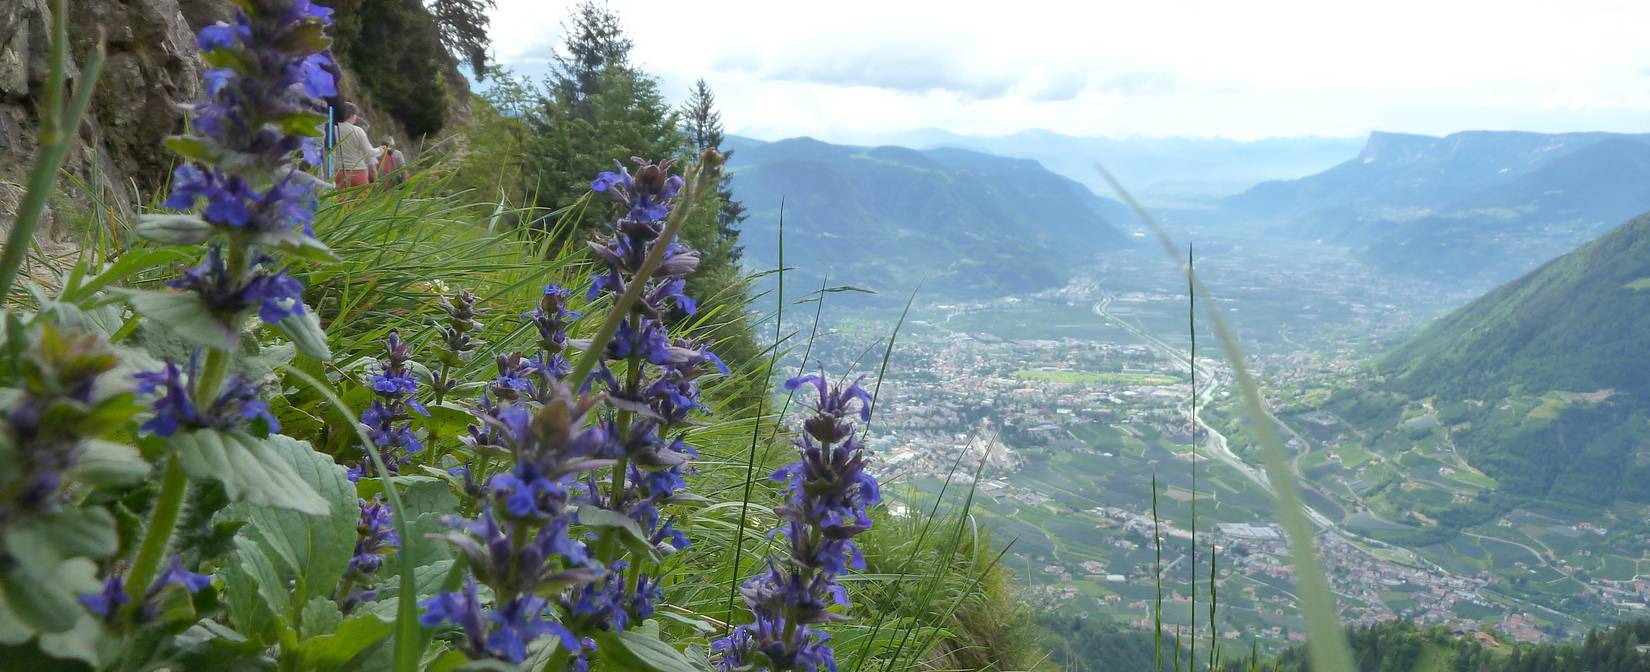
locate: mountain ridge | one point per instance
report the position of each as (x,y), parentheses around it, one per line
(975,224)
(1475,206)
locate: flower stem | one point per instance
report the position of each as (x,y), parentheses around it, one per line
(216,368)
(441,383)
(159,533)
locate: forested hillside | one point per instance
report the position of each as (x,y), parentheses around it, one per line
(1531,375)
(1404,647)
(973,224)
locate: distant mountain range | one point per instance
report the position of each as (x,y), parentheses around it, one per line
(1479,205)
(972,224)
(1540,378)
(1161,171)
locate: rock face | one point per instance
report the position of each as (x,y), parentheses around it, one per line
(151,64)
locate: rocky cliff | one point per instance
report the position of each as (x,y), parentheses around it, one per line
(152,66)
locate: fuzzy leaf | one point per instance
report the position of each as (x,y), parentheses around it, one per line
(186,315)
(174,229)
(295,243)
(315,549)
(306,333)
(40,544)
(251,469)
(423,494)
(301,123)
(427,579)
(320,617)
(77,643)
(258,598)
(629,531)
(355,636)
(47,603)
(109,463)
(194,149)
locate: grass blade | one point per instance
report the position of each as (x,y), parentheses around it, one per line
(1327,648)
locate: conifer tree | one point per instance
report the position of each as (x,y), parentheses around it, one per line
(463,25)
(704,130)
(594,45)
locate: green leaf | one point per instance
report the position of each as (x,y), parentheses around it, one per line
(296,244)
(41,543)
(107,463)
(422,494)
(427,580)
(487,665)
(302,123)
(355,636)
(225,58)
(307,38)
(629,531)
(251,469)
(426,501)
(314,549)
(306,333)
(448,661)
(539,653)
(701,626)
(258,599)
(186,315)
(637,650)
(687,499)
(174,229)
(193,149)
(320,617)
(425,550)
(47,603)
(80,642)
(209,645)
(446,419)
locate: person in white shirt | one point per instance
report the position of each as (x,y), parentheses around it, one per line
(354,153)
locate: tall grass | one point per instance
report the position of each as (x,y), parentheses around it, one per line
(1327,646)
(934,592)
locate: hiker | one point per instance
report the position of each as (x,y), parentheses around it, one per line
(353,152)
(391,161)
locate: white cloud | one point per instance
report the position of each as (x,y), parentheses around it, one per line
(1122,67)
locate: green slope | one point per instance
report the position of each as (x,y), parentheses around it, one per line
(1555,402)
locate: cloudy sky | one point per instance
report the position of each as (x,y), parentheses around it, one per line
(848,70)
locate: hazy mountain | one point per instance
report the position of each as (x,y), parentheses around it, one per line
(886,217)
(1476,205)
(1162,171)
(1535,376)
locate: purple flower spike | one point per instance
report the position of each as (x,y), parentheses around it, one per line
(828,492)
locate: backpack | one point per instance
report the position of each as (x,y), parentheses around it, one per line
(387,164)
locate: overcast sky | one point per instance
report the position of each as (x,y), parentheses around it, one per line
(846,70)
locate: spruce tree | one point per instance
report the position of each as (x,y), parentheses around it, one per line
(594,45)
(703,125)
(463,25)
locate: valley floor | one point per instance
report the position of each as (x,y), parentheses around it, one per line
(1077,399)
